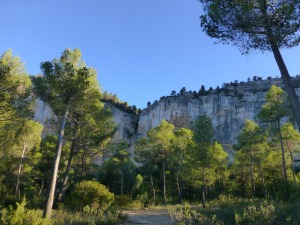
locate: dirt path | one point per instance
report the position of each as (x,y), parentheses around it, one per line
(154,217)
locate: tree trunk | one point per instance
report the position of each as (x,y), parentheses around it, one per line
(252,176)
(178,186)
(153,188)
(294,100)
(82,165)
(63,187)
(48,208)
(203,196)
(68,169)
(164,183)
(274,182)
(293,166)
(282,152)
(244,188)
(41,188)
(122,185)
(263,181)
(20,168)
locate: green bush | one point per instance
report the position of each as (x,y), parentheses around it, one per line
(90,196)
(22,216)
(136,204)
(258,215)
(122,201)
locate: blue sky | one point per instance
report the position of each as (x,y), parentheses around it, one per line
(142,50)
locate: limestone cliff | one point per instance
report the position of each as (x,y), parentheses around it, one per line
(44,115)
(126,121)
(228,107)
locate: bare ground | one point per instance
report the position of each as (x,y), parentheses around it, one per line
(154,217)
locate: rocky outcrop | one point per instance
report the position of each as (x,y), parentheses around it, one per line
(44,115)
(127,124)
(228,107)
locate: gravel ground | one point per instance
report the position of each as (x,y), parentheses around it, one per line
(154,217)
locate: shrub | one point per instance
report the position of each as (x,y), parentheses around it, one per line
(122,201)
(64,217)
(228,211)
(136,204)
(90,194)
(22,216)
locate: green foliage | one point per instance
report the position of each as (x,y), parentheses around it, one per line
(208,158)
(122,201)
(90,194)
(202,91)
(112,98)
(273,111)
(203,130)
(251,158)
(15,86)
(69,87)
(22,216)
(252,24)
(118,172)
(274,108)
(155,150)
(257,25)
(227,211)
(64,217)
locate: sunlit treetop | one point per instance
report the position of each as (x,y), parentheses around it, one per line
(253,24)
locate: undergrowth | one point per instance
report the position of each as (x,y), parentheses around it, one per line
(237,211)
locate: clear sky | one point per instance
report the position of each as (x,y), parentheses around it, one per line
(142,50)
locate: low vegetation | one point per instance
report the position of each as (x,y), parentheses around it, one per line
(227,210)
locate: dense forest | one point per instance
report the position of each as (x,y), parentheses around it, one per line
(54,179)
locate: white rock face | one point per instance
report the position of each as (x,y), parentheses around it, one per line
(127,124)
(228,109)
(44,115)
(228,113)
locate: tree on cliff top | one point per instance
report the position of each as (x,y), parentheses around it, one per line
(265,25)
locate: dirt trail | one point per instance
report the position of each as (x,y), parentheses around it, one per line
(154,217)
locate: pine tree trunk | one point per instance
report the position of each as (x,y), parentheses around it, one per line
(20,168)
(244,188)
(263,181)
(282,151)
(83,165)
(122,185)
(41,188)
(178,187)
(48,208)
(63,187)
(153,188)
(293,166)
(164,183)
(294,100)
(203,196)
(252,176)
(68,169)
